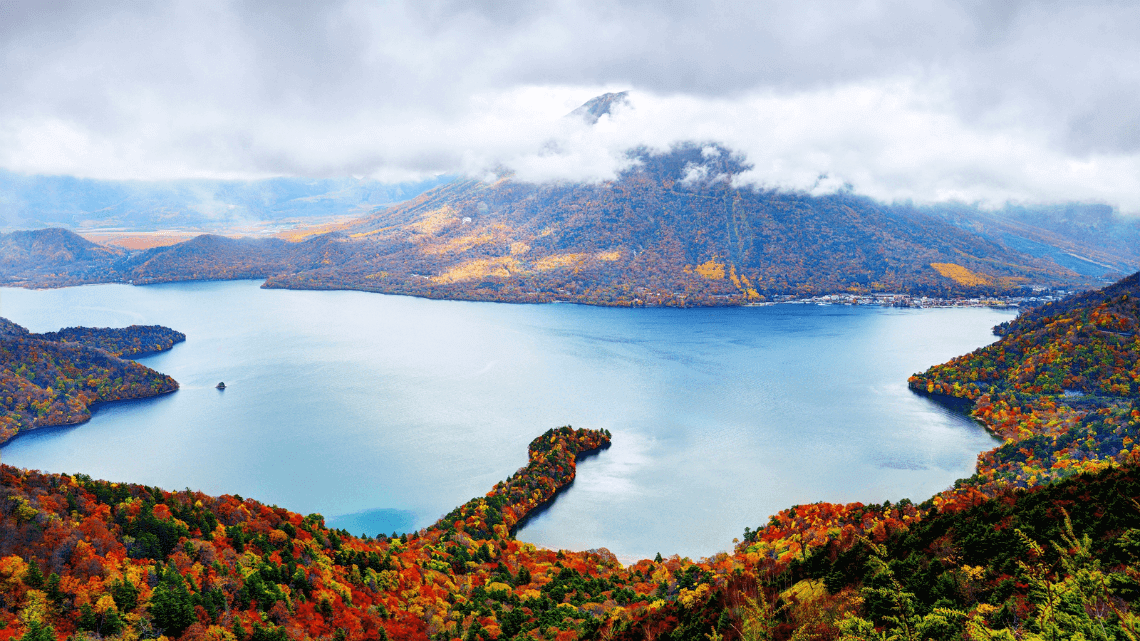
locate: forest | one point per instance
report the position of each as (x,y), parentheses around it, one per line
(124,342)
(673,230)
(55,378)
(1043,542)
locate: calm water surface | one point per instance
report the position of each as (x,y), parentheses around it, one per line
(388,411)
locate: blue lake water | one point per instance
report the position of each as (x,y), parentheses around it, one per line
(384,412)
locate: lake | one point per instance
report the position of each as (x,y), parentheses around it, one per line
(384,412)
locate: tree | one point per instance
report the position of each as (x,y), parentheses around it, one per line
(39,631)
(126,595)
(33,578)
(171,605)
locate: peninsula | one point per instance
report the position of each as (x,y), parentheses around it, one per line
(1052,511)
(55,378)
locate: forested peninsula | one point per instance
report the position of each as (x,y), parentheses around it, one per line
(1043,542)
(55,378)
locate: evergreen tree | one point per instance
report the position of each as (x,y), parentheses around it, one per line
(171,605)
(33,578)
(38,631)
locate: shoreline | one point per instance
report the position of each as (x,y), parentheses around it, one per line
(888,299)
(91,409)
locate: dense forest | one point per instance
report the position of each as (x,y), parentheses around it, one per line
(55,378)
(1042,543)
(125,342)
(1061,385)
(672,230)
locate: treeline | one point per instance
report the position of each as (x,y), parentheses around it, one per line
(552,466)
(84,557)
(54,378)
(1057,561)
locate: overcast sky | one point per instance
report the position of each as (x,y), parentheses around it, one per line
(979,101)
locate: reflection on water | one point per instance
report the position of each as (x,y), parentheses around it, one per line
(391,411)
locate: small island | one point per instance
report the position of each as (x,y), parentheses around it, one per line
(220,386)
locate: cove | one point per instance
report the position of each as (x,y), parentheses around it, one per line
(385,412)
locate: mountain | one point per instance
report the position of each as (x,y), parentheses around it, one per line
(202,205)
(599,106)
(1090,239)
(672,230)
(55,257)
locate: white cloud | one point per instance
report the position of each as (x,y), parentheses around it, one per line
(976,101)
(891,140)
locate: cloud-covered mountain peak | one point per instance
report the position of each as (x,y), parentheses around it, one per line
(598,106)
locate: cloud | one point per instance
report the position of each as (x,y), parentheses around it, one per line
(893,140)
(973,100)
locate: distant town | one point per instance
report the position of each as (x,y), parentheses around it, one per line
(909,300)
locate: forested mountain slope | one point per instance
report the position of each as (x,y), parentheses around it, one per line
(59,258)
(55,257)
(673,230)
(1090,239)
(1042,543)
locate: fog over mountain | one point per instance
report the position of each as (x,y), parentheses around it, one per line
(191,204)
(942,101)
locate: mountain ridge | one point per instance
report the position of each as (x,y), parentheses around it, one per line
(673,230)
(190,204)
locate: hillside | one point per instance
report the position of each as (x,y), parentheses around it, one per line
(1042,543)
(55,257)
(55,378)
(1090,239)
(671,231)
(123,342)
(59,258)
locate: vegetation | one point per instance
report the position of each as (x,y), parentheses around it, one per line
(55,257)
(125,342)
(1061,386)
(673,230)
(79,556)
(54,378)
(1042,543)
